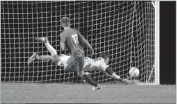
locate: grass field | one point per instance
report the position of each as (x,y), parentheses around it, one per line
(82,93)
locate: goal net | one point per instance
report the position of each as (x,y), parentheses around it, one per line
(123,29)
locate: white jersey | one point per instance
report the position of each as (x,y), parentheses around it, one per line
(89,64)
(63,59)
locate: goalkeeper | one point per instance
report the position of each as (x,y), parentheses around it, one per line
(100,63)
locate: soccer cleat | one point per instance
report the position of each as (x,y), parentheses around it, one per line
(96,87)
(32,58)
(42,39)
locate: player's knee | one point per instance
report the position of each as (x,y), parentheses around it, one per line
(55,59)
(109,71)
(52,60)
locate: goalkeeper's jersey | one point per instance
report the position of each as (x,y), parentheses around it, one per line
(89,64)
(94,64)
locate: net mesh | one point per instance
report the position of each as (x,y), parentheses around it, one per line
(123,29)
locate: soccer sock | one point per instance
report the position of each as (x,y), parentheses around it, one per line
(89,80)
(44,57)
(80,63)
(51,49)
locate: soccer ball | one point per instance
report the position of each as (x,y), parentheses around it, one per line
(134,72)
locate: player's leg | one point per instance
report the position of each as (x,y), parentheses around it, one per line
(86,77)
(32,58)
(44,58)
(48,45)
(53,57)
(80,64)
(35,56)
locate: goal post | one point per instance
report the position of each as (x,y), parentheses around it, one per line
(126,30)
(157,44)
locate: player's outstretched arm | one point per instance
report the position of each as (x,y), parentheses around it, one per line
(86,43)
(62,41)
(112,74)
(62,45)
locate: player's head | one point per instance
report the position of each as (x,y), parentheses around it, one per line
(105,56)
(65,22)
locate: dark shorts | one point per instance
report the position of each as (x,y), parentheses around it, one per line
(76,61)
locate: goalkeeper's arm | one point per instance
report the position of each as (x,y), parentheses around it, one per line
(112,74)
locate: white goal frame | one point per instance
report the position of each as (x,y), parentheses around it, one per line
(156,66)
(157,45)
(127,31)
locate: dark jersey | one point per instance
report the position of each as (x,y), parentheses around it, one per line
(73,39)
